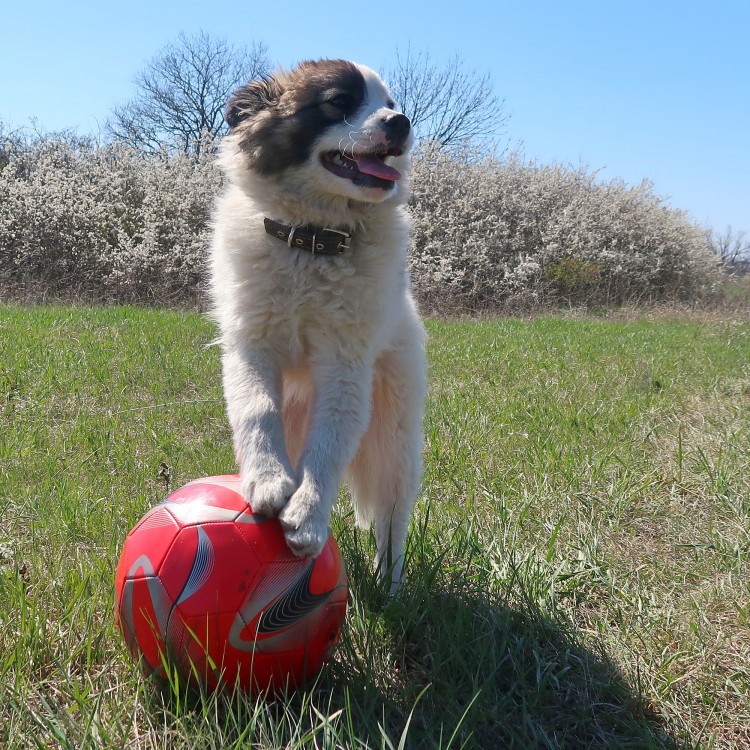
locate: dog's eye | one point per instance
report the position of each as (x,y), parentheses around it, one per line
(340,101)
(390,104)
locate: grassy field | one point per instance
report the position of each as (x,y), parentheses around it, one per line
(578,572)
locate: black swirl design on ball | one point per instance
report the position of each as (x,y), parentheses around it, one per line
(293,605)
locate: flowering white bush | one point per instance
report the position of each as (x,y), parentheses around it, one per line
(488,232)
(104,222)
(109,223)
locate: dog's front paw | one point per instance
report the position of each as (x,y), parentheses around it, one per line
(268,494)
(305,524)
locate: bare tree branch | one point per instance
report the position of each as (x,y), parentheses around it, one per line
(182,92)
(733,250)
(446,104)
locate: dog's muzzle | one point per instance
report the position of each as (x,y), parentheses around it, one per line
(397,128)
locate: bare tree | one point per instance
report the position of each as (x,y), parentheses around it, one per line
(446,104)
(182,92)
(732,249)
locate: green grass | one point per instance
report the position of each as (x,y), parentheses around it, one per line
(578,564)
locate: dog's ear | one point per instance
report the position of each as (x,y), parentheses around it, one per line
(251,99)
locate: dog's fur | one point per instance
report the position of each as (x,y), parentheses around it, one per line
(323,357)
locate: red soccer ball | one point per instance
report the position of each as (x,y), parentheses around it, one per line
(210,588)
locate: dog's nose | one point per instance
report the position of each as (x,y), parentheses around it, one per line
(397,128)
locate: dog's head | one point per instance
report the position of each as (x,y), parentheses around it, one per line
(330,123)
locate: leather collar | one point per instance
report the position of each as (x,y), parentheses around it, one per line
(316,240)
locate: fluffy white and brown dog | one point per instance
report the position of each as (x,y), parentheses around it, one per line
(323,351)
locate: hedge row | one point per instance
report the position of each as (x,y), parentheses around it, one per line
(108,223)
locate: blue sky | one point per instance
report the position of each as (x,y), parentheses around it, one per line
(657,90)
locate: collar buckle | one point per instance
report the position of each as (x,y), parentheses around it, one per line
(344,244)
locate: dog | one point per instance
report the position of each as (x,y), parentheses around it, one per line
(323,350)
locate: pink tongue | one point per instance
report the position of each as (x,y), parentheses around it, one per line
(377,168)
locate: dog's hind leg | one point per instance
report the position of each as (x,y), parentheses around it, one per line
(386,472)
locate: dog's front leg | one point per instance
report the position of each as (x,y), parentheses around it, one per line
(252,384)
(340,416)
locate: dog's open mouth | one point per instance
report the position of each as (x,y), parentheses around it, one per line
(364,169)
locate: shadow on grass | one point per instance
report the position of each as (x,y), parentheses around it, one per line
(478,673)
